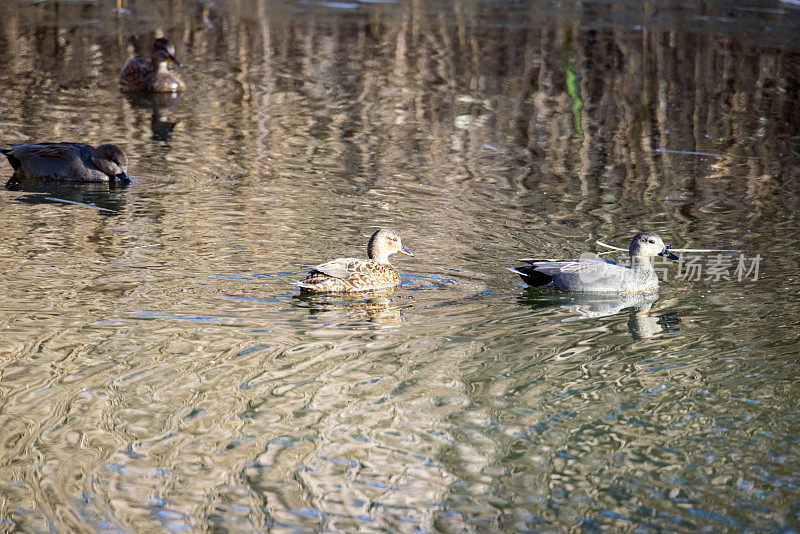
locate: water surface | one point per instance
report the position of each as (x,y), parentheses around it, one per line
(159,371)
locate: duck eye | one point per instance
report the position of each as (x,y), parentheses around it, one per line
(653,241)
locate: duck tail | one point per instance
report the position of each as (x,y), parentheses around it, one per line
(302,284)
(11,159)
(531,276)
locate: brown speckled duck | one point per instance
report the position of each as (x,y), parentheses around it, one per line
(76,162)
(154,76)
(345,275)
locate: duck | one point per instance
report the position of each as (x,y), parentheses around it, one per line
(77,162)
(154,75)
(593,274)
(348,275)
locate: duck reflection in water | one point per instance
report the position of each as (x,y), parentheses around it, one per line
(374,307)
(109,197)
(163,121)
(642,323)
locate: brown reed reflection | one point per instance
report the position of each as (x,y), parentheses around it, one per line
(424,71)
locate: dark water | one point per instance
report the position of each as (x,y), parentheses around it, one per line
(158,371)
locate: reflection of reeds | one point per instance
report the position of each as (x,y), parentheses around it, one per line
(576,106)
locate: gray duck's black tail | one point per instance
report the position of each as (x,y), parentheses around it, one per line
(531,276)
(11,159)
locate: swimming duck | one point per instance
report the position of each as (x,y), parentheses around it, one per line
(154,76)
(353,274)
(77,162)
(596,274)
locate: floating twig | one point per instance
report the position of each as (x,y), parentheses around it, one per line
(612,247)
(54,199)
(703,249)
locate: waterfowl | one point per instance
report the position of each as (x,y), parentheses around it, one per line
(599,275)
(77,162)
(154,75)
(353,274)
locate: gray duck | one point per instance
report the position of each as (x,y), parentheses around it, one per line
(76,162)
(593,274)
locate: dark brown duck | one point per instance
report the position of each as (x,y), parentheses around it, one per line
(76,162)
(154,75)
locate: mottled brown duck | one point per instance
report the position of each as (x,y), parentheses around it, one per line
(153,76)
(346,275)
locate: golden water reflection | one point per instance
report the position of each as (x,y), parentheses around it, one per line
(160,371)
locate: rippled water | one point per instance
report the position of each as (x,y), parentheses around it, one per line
(159,371)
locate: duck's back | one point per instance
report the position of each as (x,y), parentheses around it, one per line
(349,275)
(134,74)
(61,161)
(593,275)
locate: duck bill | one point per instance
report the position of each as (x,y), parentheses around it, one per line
(124,178)
(404,251)
(175,60)
(667,254)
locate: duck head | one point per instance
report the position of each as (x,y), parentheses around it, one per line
(163,52)
(111,160)
(645,245)
(383,243)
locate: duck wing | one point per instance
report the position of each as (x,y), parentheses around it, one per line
(65,161)
(342,268)
(541,272)
(60,151)
(350,275)
(134,72)
(575,265)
